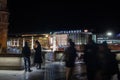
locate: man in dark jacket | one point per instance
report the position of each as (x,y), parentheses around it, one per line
(26,54)
(90,58)
(70,57)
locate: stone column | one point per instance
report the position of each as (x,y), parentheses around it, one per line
(3,25)
(17,42)
(32,43)
(3,41)
(23,42)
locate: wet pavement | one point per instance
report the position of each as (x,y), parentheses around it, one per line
(21,75)
(49,71)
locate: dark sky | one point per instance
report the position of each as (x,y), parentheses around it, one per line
(36,16)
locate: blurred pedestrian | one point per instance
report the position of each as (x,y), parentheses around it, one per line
(26,54)
(89,57)
(70,57)
(107,65)
(38,55)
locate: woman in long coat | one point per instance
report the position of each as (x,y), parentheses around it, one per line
(38,55)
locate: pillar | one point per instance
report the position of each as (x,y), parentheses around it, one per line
(32,43)
(3,25)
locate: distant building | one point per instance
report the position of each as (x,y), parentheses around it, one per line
(53,40)
(17,40)
(113,40)
(60,38)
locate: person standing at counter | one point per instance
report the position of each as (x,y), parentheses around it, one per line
(26,54)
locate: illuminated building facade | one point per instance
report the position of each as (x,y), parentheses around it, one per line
(113,41)
(16,41)
(77,36)
(53,41)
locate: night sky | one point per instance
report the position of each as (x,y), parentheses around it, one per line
(35,16)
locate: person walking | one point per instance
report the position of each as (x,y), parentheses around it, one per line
(107,63)
(26,54)
(89,58)
(38,55)
(70,57)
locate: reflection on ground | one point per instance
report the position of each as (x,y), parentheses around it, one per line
(49,71)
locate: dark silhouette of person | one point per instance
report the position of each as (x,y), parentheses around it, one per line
(38,55)
(26,54)
(107,63)
(89,57)
(70,56)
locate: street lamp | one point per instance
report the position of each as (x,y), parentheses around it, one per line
(109,33)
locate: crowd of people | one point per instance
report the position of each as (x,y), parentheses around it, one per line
(101,63)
